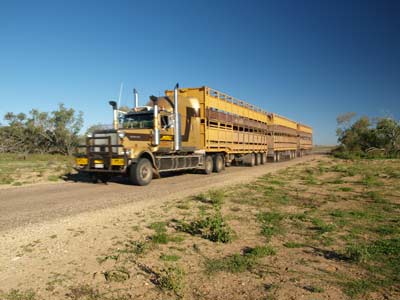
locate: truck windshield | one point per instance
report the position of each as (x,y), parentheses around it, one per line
(138,121)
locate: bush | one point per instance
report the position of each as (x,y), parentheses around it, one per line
(212,228)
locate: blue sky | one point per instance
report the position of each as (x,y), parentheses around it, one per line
(307,60)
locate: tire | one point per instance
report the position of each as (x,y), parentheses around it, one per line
(263,158)
(208,164)
(218,163)
(258,159)
(141,173)
(251,161)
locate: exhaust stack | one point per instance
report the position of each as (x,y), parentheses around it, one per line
(135,98)
(156,130)
(177,117)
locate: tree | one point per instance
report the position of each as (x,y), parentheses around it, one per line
(67,125)
(41,132)
(388,134)
(363,135)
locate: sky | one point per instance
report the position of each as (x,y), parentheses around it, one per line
(307,60)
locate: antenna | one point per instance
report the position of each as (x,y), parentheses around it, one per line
(120,93)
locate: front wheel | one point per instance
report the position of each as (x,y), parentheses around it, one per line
(141,173)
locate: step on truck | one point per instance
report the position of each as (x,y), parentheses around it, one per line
(187,129)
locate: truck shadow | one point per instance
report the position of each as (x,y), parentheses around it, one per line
(124,180)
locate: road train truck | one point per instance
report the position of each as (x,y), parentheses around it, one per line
(189,129)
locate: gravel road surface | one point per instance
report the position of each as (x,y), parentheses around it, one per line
(23,206)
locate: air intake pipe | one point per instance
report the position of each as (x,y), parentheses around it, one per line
(135,98)
(177,117)
(115,114)
(156,130)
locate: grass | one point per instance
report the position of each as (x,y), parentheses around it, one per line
(171,257)
(18,169)
(356,287)
(171,279)
(239,262)
(83,291)
(271,223)
(214,197)
(212,227)
(161,236)
(345,189)
(370,180)
(18,295)
(118,274)
(374,196)
(293,245)
(357,253)
(321,226)
(53,178)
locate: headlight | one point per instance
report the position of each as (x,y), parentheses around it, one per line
(121,134)
(89,135)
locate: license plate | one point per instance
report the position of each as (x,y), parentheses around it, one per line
(117,161)
(99,166)
(81,161)
(98,161)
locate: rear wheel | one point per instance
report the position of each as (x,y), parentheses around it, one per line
(208,164)
(218,162)
(141,173)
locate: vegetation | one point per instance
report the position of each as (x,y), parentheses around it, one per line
(41,132)
(172,279)
(239,262)
(19,169)
(18,295)
(212,228)
(379,137)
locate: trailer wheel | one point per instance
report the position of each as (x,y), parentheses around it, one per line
(141,173)
(251,161)
(258,159)
(208,164)
(218,163)
(263,158)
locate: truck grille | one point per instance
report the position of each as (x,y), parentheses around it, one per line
(102,142)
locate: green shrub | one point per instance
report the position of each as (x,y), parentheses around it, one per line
(238,263)
(212,227)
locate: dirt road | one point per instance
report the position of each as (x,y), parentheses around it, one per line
(21,206)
